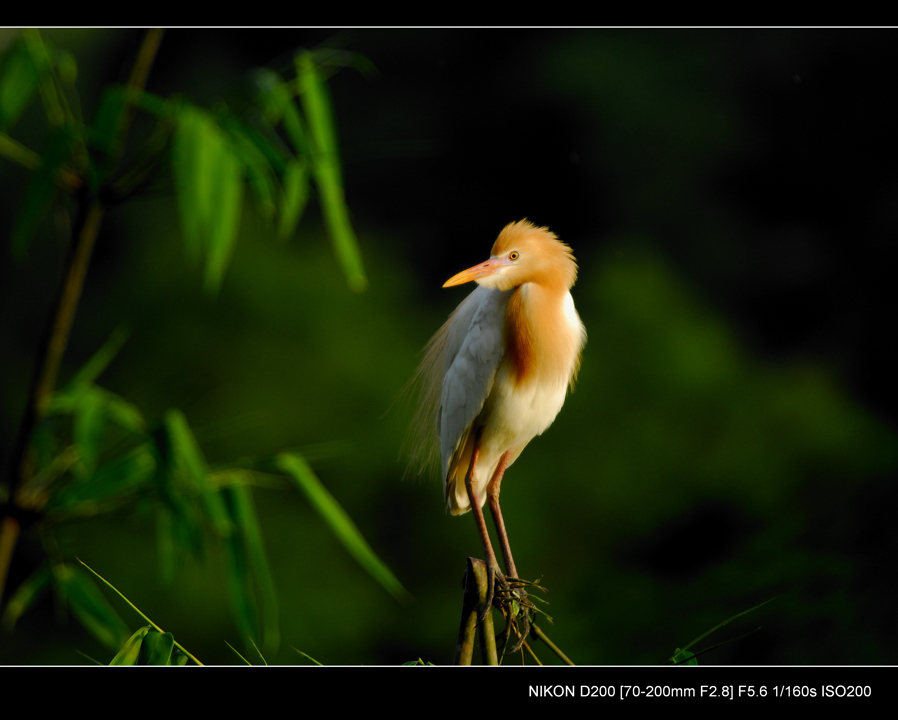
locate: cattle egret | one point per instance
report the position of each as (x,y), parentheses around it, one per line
(496,374)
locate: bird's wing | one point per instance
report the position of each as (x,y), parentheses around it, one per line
(473,351)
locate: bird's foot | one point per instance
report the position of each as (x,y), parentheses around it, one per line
(494,576)
(519,610)
(509,595)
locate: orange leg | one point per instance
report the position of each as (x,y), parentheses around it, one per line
(492,492)
(493,570)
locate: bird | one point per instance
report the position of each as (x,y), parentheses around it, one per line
(497,372)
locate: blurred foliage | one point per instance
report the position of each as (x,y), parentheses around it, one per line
(732,434)
(93,450)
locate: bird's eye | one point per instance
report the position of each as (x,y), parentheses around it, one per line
(514,255)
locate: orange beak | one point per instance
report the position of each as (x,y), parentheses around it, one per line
(485,269)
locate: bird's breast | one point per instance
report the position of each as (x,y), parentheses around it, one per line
(544,337)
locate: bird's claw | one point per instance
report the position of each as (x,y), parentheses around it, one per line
(493,575)
(518,610)
(513,601)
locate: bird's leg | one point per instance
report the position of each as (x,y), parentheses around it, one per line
(493,571)
(492,493)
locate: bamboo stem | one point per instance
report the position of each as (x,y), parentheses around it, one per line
(57,333)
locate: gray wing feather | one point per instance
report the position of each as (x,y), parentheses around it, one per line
(474,351)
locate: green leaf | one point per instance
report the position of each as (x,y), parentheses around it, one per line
(295,129)
(251,569)
(136,609)
(225,222)
(26,595)
(684,657)
(123,414)
(258,170)
(209,185)
(179,520)
(157,649)
(93,368)
(340,523)
(41,189)
(326,169)
(239,580)
(66,67)
(294,196)
(188,458)
(109,116)
(273,95)
(111,481)
(89,605)
(89,425)
(725,622)
(179,658)
(130,652)
(165,543)
(19,78)
(191,165)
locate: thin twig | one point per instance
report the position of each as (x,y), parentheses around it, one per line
(530,650)
(552,646)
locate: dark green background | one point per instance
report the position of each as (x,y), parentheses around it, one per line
(732,199)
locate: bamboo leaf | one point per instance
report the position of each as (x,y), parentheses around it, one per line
(19,78)
(254,562)
(41,189)
(93,368)
(124,414)
(192,164)
(684,657)
(258,169)
(157,649)
(89,425)
(326,169)
(273,95)
(189,459)
(317,108)
(136,609)
(111,481)
(294,196)
(130,652)
(108,120)
(183,522)
(26,595)
(295,129)
(209,185)
(55,106)
(180,658)
(340,523)
(226,194)
(90,606)
(725,622)
(239,580)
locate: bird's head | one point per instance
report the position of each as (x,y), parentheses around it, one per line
(523,253)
